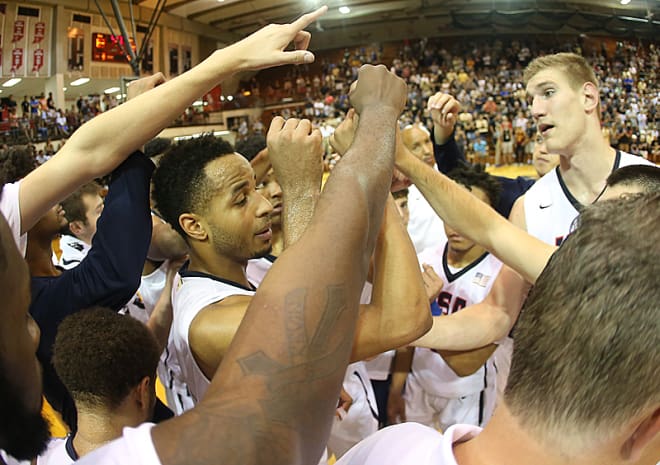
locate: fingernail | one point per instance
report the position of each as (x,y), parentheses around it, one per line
(308,57)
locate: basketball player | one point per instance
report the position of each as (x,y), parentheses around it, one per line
(424,226)
(213,292)
(565,104)
(111,375)
(82,210)
(567,402)
(437,393)
(108,276)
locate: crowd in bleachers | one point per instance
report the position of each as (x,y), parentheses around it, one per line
(486,77)
(495,122)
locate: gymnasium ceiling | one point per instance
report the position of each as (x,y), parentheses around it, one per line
(372,21)
(369,21)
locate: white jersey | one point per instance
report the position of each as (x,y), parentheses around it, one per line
(550,208)
(9,460)
(143,302)
(361,420)
(73,251)
(258,267)
(60,451)
(462,288)
(192,292)
(11,209)
(409,444)
(380,366)
(425,227)
(135,446)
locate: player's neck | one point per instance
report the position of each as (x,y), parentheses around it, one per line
(39,256)
(461,259)
(96,428)
(220,266)
(585,171)
(495,446)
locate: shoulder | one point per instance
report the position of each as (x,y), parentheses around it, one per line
(135,446)
(404,444)
(55,453)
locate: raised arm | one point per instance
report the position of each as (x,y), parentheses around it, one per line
(105,141)
(444,110)
(476,220)
(399,309)
(295,144)
(273,397)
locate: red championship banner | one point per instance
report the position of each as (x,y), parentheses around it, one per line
(38,60)
(19,30)
(39,32)
(16,59)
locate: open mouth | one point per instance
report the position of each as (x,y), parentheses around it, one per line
(545,128)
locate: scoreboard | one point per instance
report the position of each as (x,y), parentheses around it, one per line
(108,48)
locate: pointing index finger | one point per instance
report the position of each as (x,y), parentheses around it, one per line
(307,19)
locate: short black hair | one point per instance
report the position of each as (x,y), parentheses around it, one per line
(475,176)
(180,184)
(101,355)
(251,146)
(157,146)
(646,177)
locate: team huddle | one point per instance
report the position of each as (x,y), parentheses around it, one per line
(290,319)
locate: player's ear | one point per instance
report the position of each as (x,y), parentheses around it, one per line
(591,96)
(75,227)
(643,434)
(193,226)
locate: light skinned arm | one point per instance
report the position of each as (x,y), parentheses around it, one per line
(482,324)
(476,220)
(101,144)
(273,397)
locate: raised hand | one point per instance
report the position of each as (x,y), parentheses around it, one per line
(444,110)
(343,136)
(265,47)
(142,85)
(296,152)
(432,282)
(378,88)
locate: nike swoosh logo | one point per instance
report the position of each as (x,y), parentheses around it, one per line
(542,207)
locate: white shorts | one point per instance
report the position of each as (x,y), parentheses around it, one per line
(442,412)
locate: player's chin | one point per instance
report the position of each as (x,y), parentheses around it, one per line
(263,250)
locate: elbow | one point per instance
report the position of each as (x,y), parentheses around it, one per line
(415,325)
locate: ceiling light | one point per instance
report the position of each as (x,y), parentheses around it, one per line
(80,81)
(197,103)
(230,97)
(625,2)
(111,90)
(63,89)
(344,10)
(12,82)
